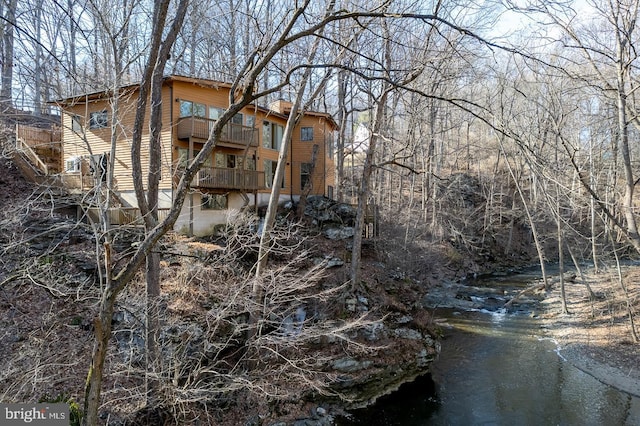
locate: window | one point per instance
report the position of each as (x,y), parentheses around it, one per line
(98,120)
(183,158)
(231,161)
(305,174)
(226,161)
(72,165)
(215,112)
(306,133)
(272,135)
(185,108)
(192,109)
(330,192)
(237,119)
(76,123)
(266,135)
(270,172)
(235,127)
(214,202)
(250,162)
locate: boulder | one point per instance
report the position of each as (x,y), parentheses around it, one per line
(339,233)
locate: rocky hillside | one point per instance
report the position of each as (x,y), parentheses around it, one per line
(323,346)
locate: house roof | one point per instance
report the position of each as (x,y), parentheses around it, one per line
(282,111)
(215,84)
(101,94)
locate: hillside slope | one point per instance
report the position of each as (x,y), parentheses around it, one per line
(322,342)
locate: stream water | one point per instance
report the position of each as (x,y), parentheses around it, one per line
(496,368)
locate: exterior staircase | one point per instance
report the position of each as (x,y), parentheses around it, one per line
(38,154)
(42,147)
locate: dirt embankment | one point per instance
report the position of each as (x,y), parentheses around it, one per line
(357,343)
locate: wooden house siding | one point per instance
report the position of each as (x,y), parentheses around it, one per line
(229,177)
(303,152)
(99,140)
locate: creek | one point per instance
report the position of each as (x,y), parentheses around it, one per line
(498,368)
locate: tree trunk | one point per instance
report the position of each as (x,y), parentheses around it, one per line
(102,330)
(367,172)
(153,258)
(155,66)
(563,296)
(342,120)
(6,93)
(534,231)
(38,66)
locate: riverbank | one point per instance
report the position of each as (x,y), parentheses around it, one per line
(596,335)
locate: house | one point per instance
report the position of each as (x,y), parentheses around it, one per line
(240,171)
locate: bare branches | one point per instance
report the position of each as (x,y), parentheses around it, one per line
(211,350)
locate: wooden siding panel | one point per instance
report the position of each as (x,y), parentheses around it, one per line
(99,139)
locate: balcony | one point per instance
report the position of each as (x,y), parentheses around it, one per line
(221,178)
(123,216)
(233,135)
(77,181)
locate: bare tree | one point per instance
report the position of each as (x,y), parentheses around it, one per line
(8,31)
(149,88)
(608,70)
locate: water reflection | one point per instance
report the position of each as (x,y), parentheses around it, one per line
(410,406)
(496,370)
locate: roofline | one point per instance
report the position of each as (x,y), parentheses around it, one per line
(90,96)
(215,84)
(323,114)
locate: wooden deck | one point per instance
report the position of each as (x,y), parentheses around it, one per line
(221,178)
(233,135)
(41,146)
(123,216)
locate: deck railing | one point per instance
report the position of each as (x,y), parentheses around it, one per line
(38,144)
(34,158)
(222,178)
(200,128)
(124,216)
(36,136)
(76,180)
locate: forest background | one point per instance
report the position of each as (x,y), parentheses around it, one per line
(487,131)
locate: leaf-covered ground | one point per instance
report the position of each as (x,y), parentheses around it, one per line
(50,290)
(596,334)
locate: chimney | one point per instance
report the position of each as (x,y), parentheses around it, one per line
(281,106)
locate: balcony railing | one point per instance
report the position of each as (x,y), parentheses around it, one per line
(232,133)
(76,180)
(41,146)
(126,216)
(221,178)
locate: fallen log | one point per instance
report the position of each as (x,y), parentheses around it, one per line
(530,289)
